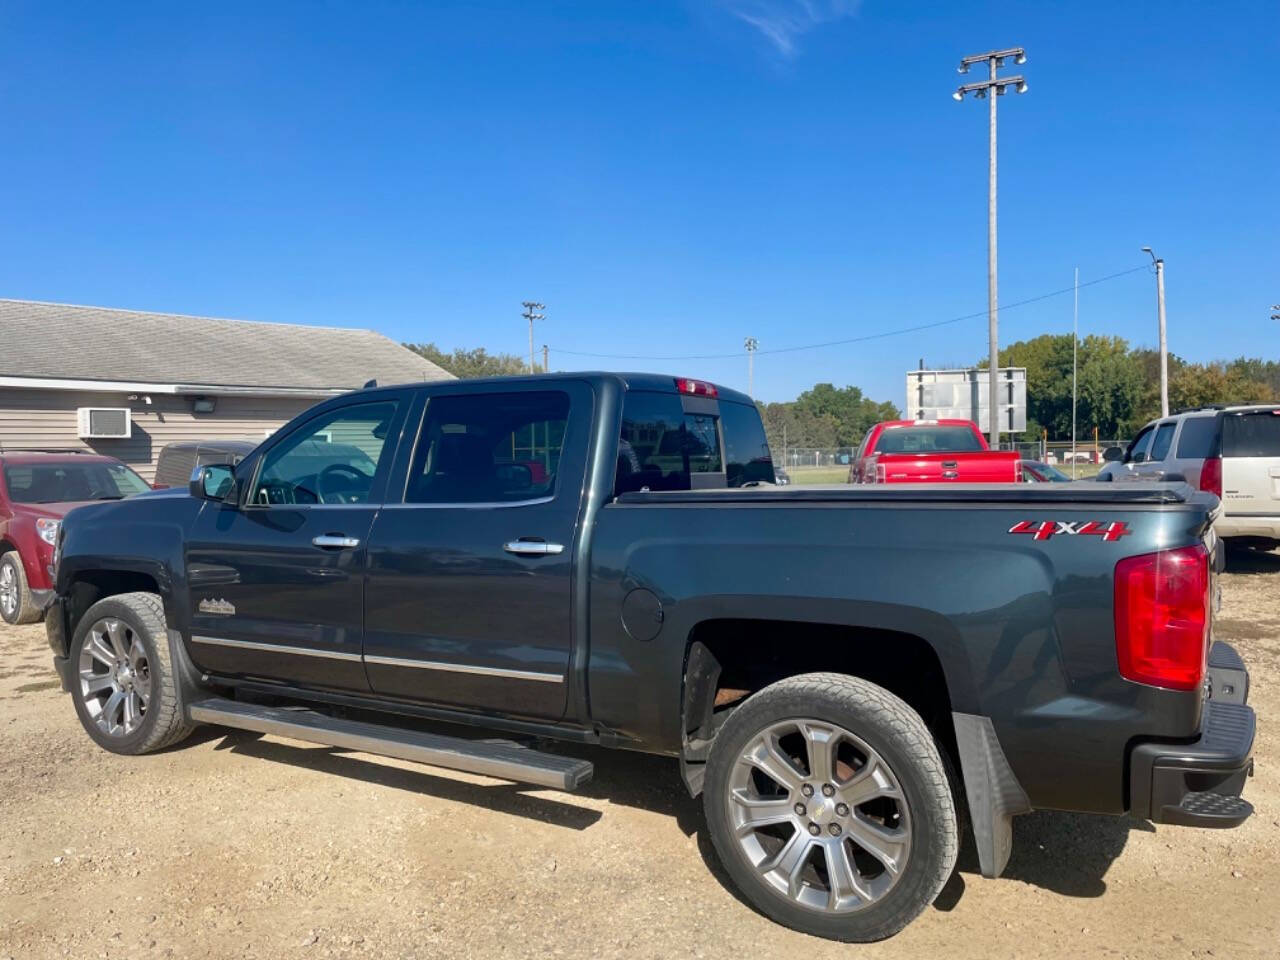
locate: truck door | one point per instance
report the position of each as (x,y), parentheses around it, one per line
(1251,463)
(276,583)
(469,598)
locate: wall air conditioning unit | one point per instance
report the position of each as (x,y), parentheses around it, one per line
(103,423)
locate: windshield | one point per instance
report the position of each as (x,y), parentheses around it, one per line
(71,482)
(928,439)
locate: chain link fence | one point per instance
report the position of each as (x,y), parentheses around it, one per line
(812,458)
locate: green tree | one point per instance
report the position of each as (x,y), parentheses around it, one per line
(472,363)
(851,413)
(823,416)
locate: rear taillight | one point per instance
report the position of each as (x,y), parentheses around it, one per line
(696,388)
(1211,476)
(1162,617)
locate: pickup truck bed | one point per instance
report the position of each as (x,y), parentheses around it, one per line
(829,666)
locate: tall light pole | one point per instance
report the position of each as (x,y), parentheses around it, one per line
(752,345)
(1075,340)
(989,89)
(530,313)
(1164,344)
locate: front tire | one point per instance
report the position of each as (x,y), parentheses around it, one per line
(123,684)
(16,605)
(829,805)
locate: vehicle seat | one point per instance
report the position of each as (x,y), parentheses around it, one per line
(463,471)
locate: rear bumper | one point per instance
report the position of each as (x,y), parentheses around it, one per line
(1198,784)
(1246,526)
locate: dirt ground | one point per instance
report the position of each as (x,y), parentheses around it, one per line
(231,846)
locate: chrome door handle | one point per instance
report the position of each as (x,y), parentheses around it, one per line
(332,540)
(533,548)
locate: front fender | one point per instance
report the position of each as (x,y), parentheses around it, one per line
(129,542)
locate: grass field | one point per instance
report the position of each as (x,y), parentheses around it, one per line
(819,474)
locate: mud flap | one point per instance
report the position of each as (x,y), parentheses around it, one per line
(994,794)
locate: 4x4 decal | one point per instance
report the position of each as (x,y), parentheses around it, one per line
(1044,529)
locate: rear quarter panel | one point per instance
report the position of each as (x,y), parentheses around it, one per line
(1022,627)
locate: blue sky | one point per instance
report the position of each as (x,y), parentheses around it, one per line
(668,177)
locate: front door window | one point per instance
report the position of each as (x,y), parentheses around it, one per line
(332,460)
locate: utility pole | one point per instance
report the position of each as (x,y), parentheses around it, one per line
(752,345)
(1164,345)
(989,89)
(1075,339)
(546,359)
(530,314)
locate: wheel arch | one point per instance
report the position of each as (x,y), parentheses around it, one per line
(727,658)
(86,585)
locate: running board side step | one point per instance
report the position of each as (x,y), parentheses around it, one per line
(505,760)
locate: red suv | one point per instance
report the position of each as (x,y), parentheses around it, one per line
(36,492)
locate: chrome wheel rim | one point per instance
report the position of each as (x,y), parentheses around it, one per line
(115,677)
(8,589)
(819,815)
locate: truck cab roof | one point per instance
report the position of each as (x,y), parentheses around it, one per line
(652,382)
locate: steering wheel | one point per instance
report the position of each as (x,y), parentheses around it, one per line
(324,491)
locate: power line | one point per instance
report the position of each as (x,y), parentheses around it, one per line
(862,339)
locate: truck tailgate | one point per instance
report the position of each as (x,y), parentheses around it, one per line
(996,466)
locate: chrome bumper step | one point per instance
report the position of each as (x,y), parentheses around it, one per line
(505,760)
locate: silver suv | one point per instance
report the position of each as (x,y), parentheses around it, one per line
(1232,451)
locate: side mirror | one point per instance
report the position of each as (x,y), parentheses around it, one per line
(1112,454)
(212,481)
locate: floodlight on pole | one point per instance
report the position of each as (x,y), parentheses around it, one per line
(991,89)
(752,345)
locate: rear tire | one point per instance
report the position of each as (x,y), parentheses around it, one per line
(122,678)
(16,605)
(852,831)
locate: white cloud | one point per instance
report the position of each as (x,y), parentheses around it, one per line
(783,22)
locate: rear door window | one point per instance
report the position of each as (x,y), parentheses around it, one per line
(490,448)
(1163,441)
(1251,434)
(1199,438)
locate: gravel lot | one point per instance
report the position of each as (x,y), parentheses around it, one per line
(235,846)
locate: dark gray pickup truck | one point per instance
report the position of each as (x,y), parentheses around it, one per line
(598,558)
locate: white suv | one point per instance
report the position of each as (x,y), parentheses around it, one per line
(1232,451)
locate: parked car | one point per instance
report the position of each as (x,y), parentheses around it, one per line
(1033,646)
(1036,471)
(178,459)
(1230,451)
(931,451)
(36,491)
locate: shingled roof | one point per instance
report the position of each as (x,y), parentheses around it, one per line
(58,341)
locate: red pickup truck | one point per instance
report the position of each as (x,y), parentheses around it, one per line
(931,451)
